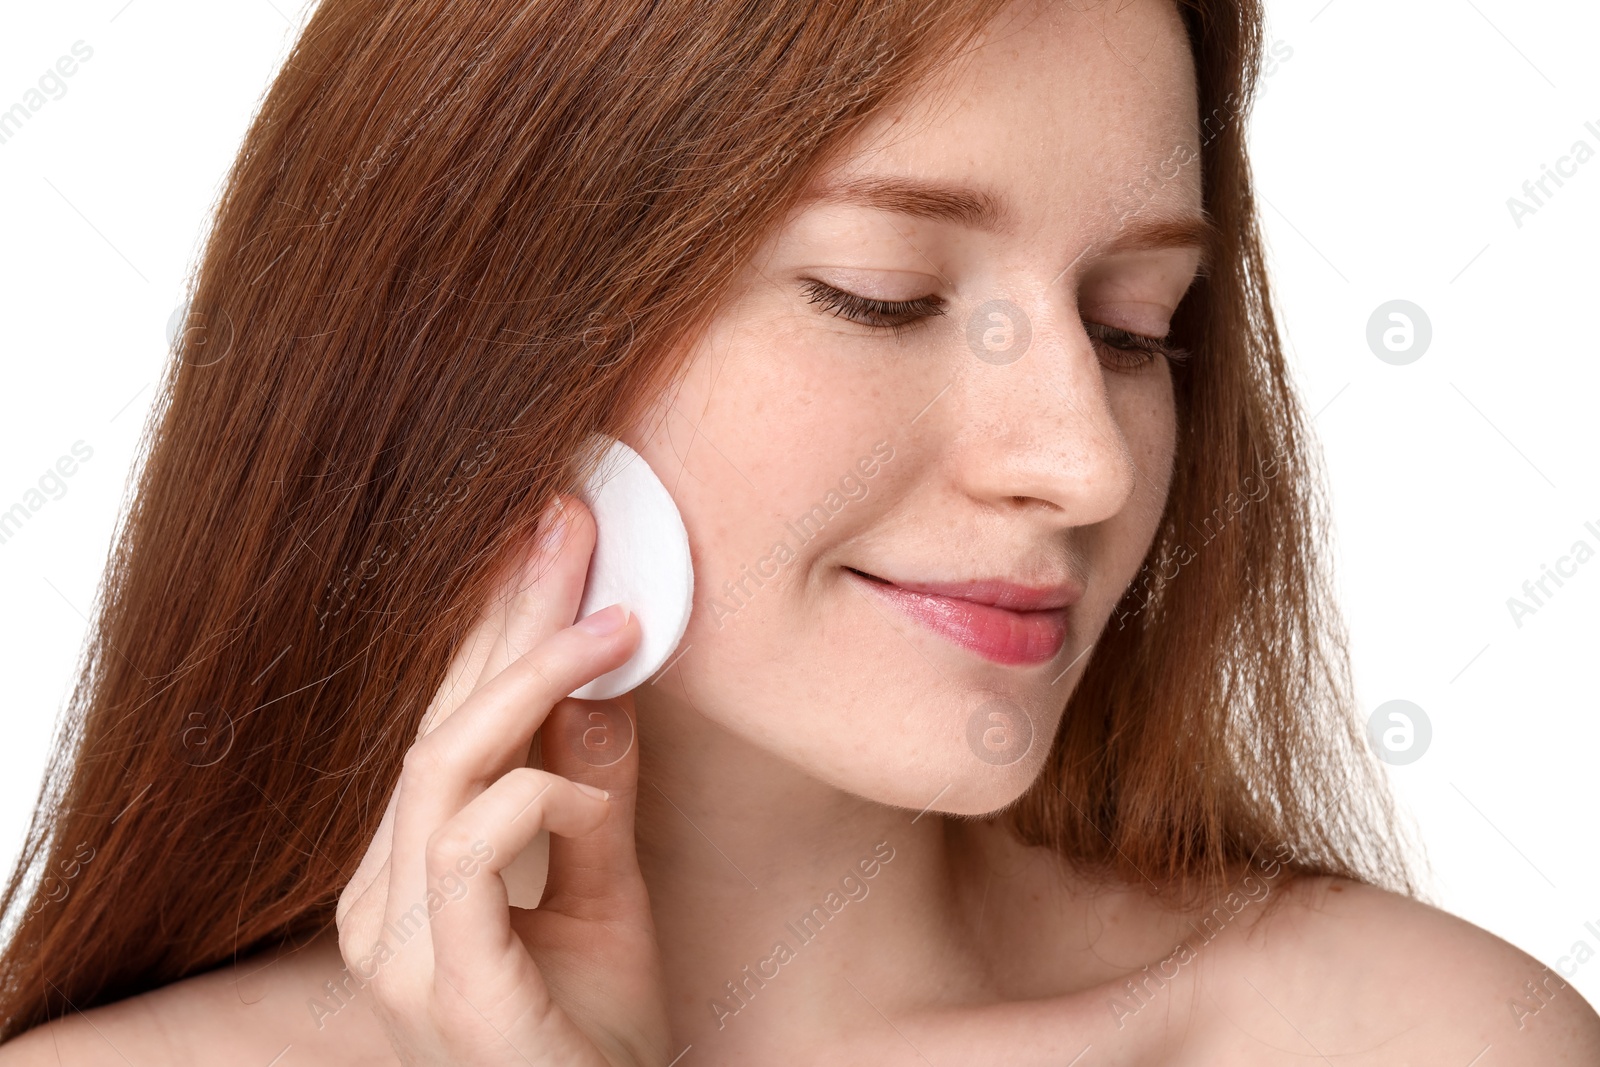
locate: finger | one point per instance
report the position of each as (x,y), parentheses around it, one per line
(462,674)
(543,595)
(444,770)
(359,920)
(555,566)
(466,904)
(596,875)
(372,863)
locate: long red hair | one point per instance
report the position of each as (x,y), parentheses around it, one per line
(460,238)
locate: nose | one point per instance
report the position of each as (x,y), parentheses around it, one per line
(1033,423)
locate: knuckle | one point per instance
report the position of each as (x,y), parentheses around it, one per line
(354,937)
(448,844)
(393,1002)
(534,784)
(423,762)
(531,780)
(348,897)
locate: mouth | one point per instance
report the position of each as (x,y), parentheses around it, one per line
(1000,621)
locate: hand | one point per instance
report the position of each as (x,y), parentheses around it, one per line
(462,978)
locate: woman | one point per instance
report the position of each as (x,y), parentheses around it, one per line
(1028,743)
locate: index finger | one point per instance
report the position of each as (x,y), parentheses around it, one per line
(539,598)
(544,596)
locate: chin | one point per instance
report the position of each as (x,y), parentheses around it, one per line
(941,775)
(989,789)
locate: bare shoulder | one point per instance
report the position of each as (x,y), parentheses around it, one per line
(130,1031)
(257,1011)
(1341,969)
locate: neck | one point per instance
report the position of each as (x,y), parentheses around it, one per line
(781,901)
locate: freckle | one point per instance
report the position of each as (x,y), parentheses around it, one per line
(1336,889)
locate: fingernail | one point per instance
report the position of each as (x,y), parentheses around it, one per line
(552,522)
(598,794)
(605,621)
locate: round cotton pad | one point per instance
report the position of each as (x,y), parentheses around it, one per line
(641,559)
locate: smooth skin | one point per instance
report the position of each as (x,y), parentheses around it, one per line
(809,734)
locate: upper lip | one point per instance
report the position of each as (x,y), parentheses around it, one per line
(996,592)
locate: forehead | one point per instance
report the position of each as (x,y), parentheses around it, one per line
(1072,117)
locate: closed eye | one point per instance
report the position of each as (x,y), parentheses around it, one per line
(892,315)
(1119,349)
(1131,351)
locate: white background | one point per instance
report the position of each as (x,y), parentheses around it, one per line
(1386,146)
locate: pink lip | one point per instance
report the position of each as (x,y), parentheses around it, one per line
(1001,621)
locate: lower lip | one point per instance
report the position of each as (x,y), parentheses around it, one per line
(997,634)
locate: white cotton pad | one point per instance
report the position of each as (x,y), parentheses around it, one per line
(641,559)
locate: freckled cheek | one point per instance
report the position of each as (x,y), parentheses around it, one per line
(1147,418)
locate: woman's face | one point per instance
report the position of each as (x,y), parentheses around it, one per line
(869,507)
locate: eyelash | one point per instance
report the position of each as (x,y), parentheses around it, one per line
(1130,351)
(1126,345)
(869,312)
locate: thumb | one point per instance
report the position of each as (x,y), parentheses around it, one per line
(595,742)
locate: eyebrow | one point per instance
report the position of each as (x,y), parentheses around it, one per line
(1187,230)
(979,209)
(962,205)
